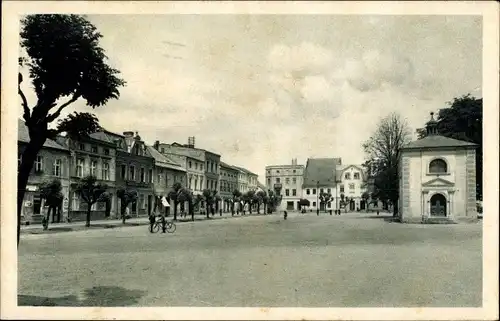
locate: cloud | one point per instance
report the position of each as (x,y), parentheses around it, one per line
(376,68)
(304,57)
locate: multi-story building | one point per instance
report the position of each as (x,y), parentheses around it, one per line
(352,183)
(134,170)
(247,180)
(52,162)
(92,155)
(212,170)
(166,172)
(228,184)
(287,179)
(192,161)
(320,177)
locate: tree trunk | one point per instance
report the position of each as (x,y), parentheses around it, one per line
(89,209)
(27,161)
(208,210)
(191,211)
(175,210)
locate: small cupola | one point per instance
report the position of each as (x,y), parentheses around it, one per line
(431,126)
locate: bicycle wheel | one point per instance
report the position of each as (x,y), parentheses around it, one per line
(156,227)
(171,227)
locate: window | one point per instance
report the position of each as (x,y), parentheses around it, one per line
(294,192)
(278,171)
(105,171)
(124,171)
(438,166)
(308,191)
(162,150)
(79,167)
(81,146)
(287,192)
(94,149)
(294,180)
(106,151)
(314,191)
(158,177)
(39,164)
(142,203)
(201,166)
(293,171)
(268,171)
(277,180)
(75,201)
(190,164)
(314,204)
(342,188)
(351,187)
(347,176)
(287,180)
(356,175)
(93,168)
(150,176)
(56,169)
(268,182)
(143,175)
(131,175)
(201,182)
(195,165)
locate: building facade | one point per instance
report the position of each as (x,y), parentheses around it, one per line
(92,155)
(52,162)
(212,171)
(228,184)
(290,179)
(437,179)
(352,183)
(320,177)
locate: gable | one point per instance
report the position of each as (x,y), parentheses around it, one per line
(438,182)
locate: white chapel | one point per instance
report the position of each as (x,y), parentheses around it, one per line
(437,179)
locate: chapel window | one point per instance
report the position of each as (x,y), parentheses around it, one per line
(438,166)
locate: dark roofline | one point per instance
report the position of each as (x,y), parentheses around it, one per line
(61,148)
(186,147)
(471,146)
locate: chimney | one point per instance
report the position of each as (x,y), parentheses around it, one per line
(128,134)
(156,145)
(129,138)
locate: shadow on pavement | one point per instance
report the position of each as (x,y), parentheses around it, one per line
(108,296)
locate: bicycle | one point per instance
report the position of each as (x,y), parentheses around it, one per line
(169,225)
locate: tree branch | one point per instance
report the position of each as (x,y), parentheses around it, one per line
(26,114)
(58,111)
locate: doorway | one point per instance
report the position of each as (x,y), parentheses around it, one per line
(438,205)
(150,203)
(289,205)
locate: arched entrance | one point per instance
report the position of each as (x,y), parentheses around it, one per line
(438,205)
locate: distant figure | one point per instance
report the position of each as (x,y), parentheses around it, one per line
(330,212)
(152,219)
(377,212)
(285,214)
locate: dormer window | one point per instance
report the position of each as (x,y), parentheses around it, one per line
(438,166)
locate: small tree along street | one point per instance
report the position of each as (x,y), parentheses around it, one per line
(51,192)
(126,196)
(382,151)
(65,63)
(91,191)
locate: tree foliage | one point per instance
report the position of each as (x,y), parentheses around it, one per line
(65,63)
(90,190)
(126,196)
(463,120)
(382,151)
(51,192)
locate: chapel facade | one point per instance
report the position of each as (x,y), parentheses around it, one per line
(437,179)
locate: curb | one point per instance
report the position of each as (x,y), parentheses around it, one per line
(101,226)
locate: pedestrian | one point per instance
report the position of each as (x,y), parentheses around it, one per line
(285,214)
(152,220)
(163,225)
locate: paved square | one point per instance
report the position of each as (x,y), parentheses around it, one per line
(353,260)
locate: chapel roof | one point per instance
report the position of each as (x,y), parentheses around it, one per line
(321,171)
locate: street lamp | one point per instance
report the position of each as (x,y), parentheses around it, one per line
(317,198)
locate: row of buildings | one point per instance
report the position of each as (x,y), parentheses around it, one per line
(125,161)
(319,176)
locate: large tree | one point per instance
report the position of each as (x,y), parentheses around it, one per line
(463,120)
(65,63)
(382,151)
(174,196)
(91,191)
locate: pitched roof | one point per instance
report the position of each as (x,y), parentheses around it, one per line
(162,160)
(341,168)
(24,136)
(102,136)
(246,171)
(436,141)
(322,170)
(222,164)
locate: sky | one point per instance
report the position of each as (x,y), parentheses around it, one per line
(263,89)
